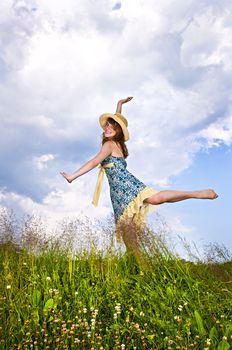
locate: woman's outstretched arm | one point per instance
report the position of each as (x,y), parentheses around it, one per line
(120,103)
(105,151)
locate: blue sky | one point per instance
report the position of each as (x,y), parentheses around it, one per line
(63,63)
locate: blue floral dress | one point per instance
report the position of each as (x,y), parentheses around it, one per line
(126,191)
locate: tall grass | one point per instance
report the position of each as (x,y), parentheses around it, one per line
(53,298)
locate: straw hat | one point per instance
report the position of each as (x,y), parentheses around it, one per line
(119,118)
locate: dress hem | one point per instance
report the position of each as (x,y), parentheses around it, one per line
(137,209)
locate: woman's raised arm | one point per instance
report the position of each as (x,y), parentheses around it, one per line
(120,103)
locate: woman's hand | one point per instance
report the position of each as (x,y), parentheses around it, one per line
(120,103)
(67,177)
(125,100)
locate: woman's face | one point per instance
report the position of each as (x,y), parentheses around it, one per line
(109,130)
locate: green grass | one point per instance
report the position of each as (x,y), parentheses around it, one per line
(54,300)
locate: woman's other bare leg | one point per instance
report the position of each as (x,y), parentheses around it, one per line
(129,231)
(170,196)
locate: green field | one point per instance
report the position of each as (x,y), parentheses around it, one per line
(51,298)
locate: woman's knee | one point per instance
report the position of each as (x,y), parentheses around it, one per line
(155,199)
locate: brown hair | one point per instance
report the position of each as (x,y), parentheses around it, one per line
(118,137)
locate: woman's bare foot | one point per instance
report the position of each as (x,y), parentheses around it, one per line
(207,194)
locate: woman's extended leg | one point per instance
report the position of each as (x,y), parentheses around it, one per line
(176,196)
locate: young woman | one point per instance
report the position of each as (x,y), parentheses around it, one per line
(131,199)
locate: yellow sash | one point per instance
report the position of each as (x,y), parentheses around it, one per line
(100,182)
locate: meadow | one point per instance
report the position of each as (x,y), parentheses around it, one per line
(54,297)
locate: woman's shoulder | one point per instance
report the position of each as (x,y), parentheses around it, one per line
(116,149)
(113,148)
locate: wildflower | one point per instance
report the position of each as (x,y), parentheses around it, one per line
(48,278)
(84,310)
(115,316)
(141,313)
(76,293)
(208,341)
(8,287)
(123,346)
(224,338)
(177,318)
(180,307)
(118,309)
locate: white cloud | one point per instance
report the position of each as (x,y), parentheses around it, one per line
(72,201)
(208,40)
(41,161)
(219,132)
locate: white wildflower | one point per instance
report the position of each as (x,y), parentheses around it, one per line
(118,308)
(177,318)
